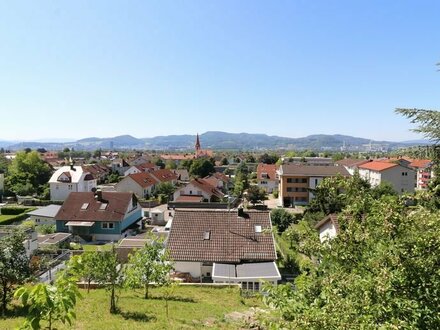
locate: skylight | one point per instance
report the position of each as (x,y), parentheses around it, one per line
(85,206)
(257,228)
(206,235)
(103,206)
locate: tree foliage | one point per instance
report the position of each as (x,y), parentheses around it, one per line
(49,303)
(428,122)
(201,168)
(108,272)
(380,271)
(256,194)
(14,265)
(282,219)
(165,188)
(150,264)
(27,174)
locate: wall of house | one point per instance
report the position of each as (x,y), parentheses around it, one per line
(294,192)
(327,231)
(194,268)
(60,190)
(191,190)
(128,185)
(401,178)
(268,185)
(39,220)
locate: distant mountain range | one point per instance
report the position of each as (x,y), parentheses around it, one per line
(219,141)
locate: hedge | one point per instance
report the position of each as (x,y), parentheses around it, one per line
(13,218)
(14,210)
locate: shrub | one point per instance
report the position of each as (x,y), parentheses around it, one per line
(14,210)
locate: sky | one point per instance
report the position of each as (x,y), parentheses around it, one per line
(76,69)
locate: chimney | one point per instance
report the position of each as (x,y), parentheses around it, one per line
(98,195)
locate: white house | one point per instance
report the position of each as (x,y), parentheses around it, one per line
(200,188)
(142,184)
(328,227)
(225,246)
(69,179)
(402,179)
(45,215)
(267,177)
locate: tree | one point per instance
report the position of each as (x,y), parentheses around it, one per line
(27,174)
(14,265)
(150,264)
(428,121)
(49,302)
(256,194)
(282,219)
(383,189)
(170,164)
(380,271)
(159,162)
(201,168)
(224,161)
(165,188)
(66,150)
(85,267)
(268,159)
(108,273)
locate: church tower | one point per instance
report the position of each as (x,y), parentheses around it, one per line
(198,149)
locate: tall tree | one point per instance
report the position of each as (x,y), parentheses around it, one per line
(150,264)
(28,173)
(201,168)
(14,265)
(380,271)
(256,194)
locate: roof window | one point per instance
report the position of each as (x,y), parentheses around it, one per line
(206,235)
(85,206)
(257,228)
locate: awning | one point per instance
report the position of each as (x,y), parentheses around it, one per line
(80,223)
(245,272)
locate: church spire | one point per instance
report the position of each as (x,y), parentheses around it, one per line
(197,142)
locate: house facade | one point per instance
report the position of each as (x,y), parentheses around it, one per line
(225,246)
(298,181)
(44,215)
(401,178)
(100,216)
(423,168)
(200,188)
(267,177)
(142,184)
(68,179)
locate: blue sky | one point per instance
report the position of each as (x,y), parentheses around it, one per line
(74,69)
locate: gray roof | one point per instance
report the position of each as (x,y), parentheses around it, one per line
(48,211)
(310,170)
(259,270)
(53,238)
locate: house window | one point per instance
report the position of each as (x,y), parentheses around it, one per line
(316,182)
(289,180)
(289,189)
(70,186)
(108,225)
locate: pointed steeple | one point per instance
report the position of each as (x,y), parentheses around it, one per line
(197,142)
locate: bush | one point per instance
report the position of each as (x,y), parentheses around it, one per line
(14,210)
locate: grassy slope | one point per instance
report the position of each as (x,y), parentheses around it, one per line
(190,309)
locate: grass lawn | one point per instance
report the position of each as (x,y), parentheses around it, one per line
(5,217)
(191,307)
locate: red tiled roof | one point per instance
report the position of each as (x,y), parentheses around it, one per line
(231,239)
(269,169)
(221,176)
(207,187)
(164,175)
(117,205)
(420,163)
(143,179)
(378,166)
(189,198)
